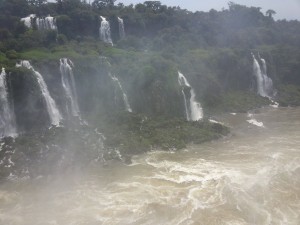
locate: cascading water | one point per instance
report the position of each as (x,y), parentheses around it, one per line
(125,99)
(68,83)
(27,20)
(268,83)
(105,31)
(264,64)
(121,28)
(259,77)
(264,83)
(54,114)
(7,117)
(47,23)
(186,106)
(194,112)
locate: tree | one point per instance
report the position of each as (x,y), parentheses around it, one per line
(103,3)
(154,5)
(36,2)
(14,8)
(270,13)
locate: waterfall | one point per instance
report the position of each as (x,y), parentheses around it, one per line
(7,117)
(52,109)
(68,83)
(47,23)
(259,77)
(268,83)
(27,20)
(264,64)
(125,99)
(105,31)
(194,112)
(264,83)
(121,28)
(186,106)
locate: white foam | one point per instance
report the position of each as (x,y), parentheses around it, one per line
(256,123)
(274,104)
(236,183)
(214,121)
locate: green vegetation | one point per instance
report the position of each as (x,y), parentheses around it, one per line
(241,102)
(133,133)
(289,95)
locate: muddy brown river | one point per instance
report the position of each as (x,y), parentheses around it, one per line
(251,177)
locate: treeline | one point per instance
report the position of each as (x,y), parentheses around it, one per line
(150,24)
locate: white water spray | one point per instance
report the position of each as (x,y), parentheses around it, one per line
(47,23)
(194,112)
(105,31)
(264,83)
(27,20)
(52,109)
(121,28)
(68,83)
(7,117)
(125,99)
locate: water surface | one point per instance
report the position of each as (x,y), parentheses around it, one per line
(252,177)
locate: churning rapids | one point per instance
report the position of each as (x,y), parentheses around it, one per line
(252,177)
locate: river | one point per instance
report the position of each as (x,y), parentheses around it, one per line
(251,177)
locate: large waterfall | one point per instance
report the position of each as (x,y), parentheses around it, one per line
(47,23)
(105,31)
(125,99)
(193,109)
(52,109)
(264,83)
(68,83)
(7,117)
(121,28)
(27,20)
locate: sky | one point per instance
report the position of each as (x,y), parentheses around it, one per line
(285,9)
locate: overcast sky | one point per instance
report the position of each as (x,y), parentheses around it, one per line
(285,9)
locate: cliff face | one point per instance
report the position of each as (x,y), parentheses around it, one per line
(147,83)
(98,93)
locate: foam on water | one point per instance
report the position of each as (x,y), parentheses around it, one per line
(255,122)
(214,121)
(250,179)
